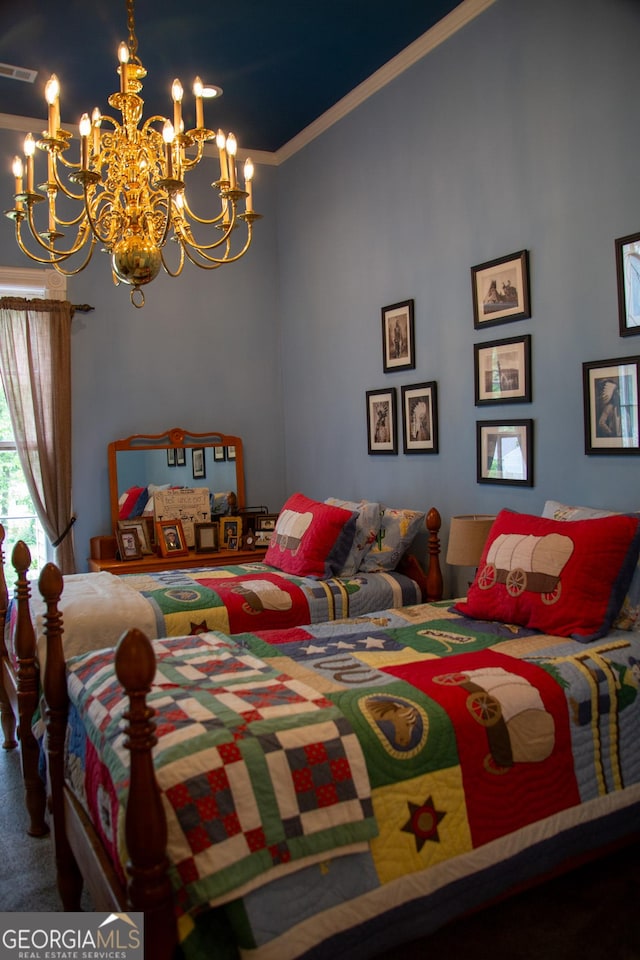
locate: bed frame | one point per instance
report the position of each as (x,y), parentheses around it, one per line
(80,857)
(20,689)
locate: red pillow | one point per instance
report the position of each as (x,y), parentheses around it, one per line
(311,539)
(128,501)
(567,579)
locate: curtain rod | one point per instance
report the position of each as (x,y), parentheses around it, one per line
(82,307)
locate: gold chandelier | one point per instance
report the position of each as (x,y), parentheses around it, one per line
(132,186)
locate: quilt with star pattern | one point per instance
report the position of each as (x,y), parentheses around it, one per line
(460,757)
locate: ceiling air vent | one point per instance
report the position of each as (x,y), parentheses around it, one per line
(17,73)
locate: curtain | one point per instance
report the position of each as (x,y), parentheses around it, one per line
(35,366)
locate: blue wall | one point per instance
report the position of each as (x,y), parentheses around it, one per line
(519,132)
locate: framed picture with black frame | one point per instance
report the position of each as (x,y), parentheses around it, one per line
(502,371)
(501,290)
(382,433)
(398,351)
(611,390)
(198,463)
(628,276)
(504,452)
(420,417)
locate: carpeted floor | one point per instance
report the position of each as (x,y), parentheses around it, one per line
(588,914)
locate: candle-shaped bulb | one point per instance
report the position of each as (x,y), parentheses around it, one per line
(52,89)
(176,93)
(29,151)
(52,93)
(221,144)
(168,134)
(123,57)
(96,120)
(17,169)
(232,149)
(85,130)
(248,185)
(197,92)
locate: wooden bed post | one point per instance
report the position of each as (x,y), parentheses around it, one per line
(145,823)
(7,716)
(434,573)
(28,683)
(68,875)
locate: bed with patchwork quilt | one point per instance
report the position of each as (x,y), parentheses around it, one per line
(337,789)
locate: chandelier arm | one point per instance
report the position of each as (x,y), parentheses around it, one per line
(214,262)
(58,182)
(167,268)
(55,257)
(207,222)
(59,255)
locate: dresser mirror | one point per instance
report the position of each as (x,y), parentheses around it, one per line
(177,458)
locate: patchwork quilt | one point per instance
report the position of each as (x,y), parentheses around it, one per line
(98,607)
(257,596)
(479,739)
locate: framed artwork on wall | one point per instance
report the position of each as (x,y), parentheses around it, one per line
(197,463)
(502,371)
(420,417)
(381,421)
(501,290)
(505,452)
(628,274)
(171,456)
(181,457)
(398,351)
(219,453)
(611,390)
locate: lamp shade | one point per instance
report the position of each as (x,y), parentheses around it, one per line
(467,537)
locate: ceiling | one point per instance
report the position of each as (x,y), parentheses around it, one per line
(281,64)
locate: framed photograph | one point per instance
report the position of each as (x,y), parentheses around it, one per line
(628,273)
(128,543)
(141,528)
(265,528)
(206,537)
(501,290)
(171,456)
(230,529)
(219,452)
(197,463)
(505,451)
(231,453)
(181,457)
(381,421)
(502,371)
(170,537)
(398,351)
(611,389)
(420,417)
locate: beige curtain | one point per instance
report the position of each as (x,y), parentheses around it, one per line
(35,366)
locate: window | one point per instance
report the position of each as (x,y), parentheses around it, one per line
(17,513)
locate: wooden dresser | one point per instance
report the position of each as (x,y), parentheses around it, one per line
(103,557)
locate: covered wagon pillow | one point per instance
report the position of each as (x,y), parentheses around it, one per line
(398,529)
(368,517)
(311,539)
(628,616)
(566,579)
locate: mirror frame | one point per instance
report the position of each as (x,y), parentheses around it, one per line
(176,438)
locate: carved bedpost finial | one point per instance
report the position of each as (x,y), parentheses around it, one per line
(145,824)
(434,574)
